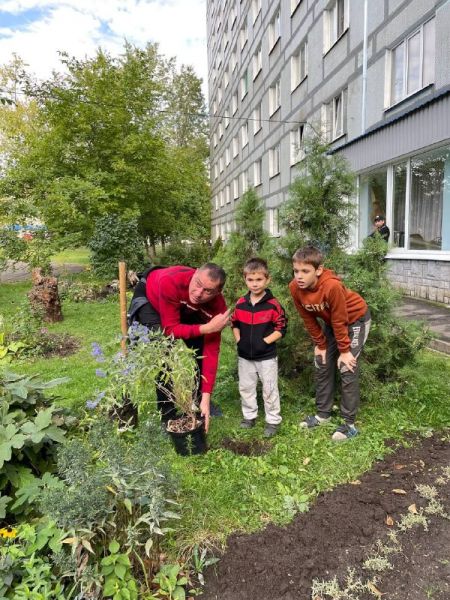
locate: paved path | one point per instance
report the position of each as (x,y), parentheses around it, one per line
(21,272)
(436,316)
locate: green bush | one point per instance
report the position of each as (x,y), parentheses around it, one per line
(30,429)
(115,239)
(189,253)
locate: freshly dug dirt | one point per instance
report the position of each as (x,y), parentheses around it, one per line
(58,344)
(250,448)
(340,532)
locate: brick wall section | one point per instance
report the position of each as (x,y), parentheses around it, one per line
(427,279)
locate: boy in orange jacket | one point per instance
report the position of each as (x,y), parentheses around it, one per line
(318,293)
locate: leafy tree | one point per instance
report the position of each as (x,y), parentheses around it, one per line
(106,142)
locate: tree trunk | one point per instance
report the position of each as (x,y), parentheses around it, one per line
(44,297)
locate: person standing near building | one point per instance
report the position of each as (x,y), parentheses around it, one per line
(380,227)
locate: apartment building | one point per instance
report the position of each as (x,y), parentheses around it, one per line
(374,78)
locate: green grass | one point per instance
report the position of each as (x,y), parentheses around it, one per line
(221,492)
(76,256)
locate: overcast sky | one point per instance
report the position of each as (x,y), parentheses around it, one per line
(37,29)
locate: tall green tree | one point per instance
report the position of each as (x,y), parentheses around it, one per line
(107,143)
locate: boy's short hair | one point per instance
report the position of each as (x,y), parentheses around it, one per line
(309,255)
(256,265)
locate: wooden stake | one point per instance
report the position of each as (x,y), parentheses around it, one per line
(123,305)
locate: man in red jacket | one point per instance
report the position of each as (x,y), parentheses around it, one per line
(188,304)
(318,293)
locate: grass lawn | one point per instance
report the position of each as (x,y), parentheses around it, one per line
(76,256)
(221,492)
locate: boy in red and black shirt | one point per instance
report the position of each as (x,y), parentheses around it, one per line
(318,293)
(258,323)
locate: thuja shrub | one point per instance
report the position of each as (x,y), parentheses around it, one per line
(393,342)
(115,239)
(186,252)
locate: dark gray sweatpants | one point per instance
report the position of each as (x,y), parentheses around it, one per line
(326,373)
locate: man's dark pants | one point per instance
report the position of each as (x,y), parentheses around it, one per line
(326,373)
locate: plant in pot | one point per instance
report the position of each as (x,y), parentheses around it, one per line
(171,365)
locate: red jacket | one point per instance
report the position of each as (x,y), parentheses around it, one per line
(334,303)
(167,291)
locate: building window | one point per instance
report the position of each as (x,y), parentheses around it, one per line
(227,156)
(244,84)
(257,63)
(235,188)
(227,194)
(216,170)
(274,30)
(226,79)
(243,35)
(234,103)
(216,202)
(235,146)
(214,106)
(412,63)
(227,118)
(221,164)
(214,139)
(334,116)
(335,21)
(274,222)
(294,4)
(221,197)
(372,199)
(244,135)
(274,97)
(299,65)
(219,94)
(233,15)
(256,9)
(297,144)
(257,172)
(233,61)
(220,130)
(244,182)
(256,119)
(274,161)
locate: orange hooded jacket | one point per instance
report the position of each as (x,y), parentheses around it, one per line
(331,301)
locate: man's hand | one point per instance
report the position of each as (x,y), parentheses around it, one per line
(205,408)
(321,353)
(348,360)
(217,323)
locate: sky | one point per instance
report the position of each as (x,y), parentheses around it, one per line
(37,29)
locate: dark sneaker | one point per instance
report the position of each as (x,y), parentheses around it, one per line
(215,410)
(270,430)
(344,432)
(247,423)
(314,421)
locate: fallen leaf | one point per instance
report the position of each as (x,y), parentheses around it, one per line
(412,509)
(70,540)
(398,467)
(389,521)
(374,590)
(398,491)
(422,464)
(385,475)
(306,461)
(356,482)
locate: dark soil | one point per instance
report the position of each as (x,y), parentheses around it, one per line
(57,344)
(250,448)
(340,532)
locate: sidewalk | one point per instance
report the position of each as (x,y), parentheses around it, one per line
(21,272)
(436,316)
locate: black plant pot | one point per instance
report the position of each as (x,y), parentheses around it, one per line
(187,443)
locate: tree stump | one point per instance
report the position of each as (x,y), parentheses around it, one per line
(44,297)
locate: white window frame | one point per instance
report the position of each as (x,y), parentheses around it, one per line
(274,222)
(257,62)
(226,117)
(221,166)
(236,188)
(274,97)
(226,78)
(220,129)
(335,22)
(299,65)
(274,29)
(244,84)
(257,172)
(274,160)
(244,134)
(234,103)
(294,4)
(333,112)
(244,181)
(233,15)
(297,138)
(389,96)
(227,194)
(216,202)
(257,121)
(227,156)
(233,60)
(221,198)
(243,35)
(256,9)
(235,144)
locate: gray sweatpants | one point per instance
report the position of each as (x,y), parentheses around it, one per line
(326,374)
(267,371)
